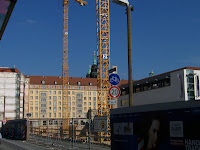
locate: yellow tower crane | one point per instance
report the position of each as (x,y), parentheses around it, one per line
(103,62)
(65,68)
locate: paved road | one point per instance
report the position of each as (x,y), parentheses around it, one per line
(4,146)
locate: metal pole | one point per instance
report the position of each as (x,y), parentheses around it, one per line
(73,133)
(89,132)
(129,56)
(4,113)
(23,99)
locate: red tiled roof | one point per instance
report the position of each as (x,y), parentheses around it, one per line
(9,70)
(52,79)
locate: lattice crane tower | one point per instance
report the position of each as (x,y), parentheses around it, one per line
(65,68)
(103,60)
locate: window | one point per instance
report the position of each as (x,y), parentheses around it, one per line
(31,108)
(44,123)
(55,116)
(73,93)
(69,104)
(59,114)
(43,99)
(31,92)
(54,103)
(79,83)
(54,108)
(84,98)
(36,92)
(94,93)
(49,97)
(79,88)
(43,82)
(89,88)
(49,114)
(73,98)
(31,97)
(69,98)
(59,97)
(73,103)
(73,114)
(73,108)
(43,105)
(36,102)
(94,104)
(69,108)
(89,98)
(54,98)
(59,92)
(68,114)
(36,108)
(31,102)
(85,108)
(50,121)
(54,92)
(94,98)
(49,91)
(49,108)
(36,114)
(36,97)
(89,103)
(85,103)
(59,87)
(43,94)
(59,108)
(68,92)
(49,103)
(59,103)
(89,93)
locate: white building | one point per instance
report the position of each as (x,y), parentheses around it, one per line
(178,85)
(12,94)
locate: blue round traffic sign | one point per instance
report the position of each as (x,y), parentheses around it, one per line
(114,79)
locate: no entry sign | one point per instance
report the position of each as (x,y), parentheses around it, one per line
(114,91)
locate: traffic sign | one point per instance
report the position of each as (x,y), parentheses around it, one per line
(112,70)
(100,123)
(114,91)
(114,79)
(112,102)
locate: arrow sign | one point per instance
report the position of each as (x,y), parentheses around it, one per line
(114,79)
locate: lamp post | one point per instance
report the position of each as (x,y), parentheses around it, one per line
(129,9)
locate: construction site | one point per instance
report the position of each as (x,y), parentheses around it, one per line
(29,125)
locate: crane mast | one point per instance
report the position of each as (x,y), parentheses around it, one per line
(103,61)
(65,67)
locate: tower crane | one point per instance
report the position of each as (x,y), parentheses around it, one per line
(103,61)
(65,68)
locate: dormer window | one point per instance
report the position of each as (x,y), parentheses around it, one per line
(43,82)
(90,83)
(79,83)
(55,82)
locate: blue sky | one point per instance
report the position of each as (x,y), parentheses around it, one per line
(165,36)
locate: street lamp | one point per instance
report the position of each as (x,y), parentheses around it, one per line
(129,9)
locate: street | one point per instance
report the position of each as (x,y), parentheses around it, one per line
(4,146)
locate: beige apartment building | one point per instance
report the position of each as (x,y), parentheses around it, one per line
(45,98)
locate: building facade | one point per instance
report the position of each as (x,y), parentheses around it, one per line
(177,85)
(45,97)
(13,94)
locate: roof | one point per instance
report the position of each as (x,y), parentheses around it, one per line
(160,75)
(9,70)
(50,80)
